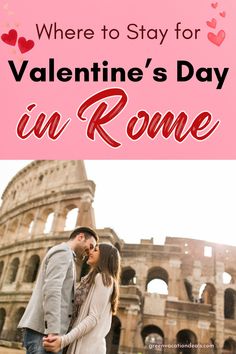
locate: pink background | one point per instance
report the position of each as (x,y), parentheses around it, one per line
(192,96)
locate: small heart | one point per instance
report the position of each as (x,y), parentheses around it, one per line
(212,23)
(25,45)
(214,5)
(222,14)
(10,37)
(218,38)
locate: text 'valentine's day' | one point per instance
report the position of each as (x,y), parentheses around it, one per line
(103,72)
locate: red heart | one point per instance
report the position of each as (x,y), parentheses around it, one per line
(10,37)
(218,38)
(25,45)
(212,23)
(222,14)
(214,5)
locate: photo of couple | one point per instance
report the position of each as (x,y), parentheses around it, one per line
(60,316)
(70,285)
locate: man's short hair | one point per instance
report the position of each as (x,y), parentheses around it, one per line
(87,231)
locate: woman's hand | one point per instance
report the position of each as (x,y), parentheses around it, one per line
(52,344)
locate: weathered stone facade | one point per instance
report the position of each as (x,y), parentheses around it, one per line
(34,216)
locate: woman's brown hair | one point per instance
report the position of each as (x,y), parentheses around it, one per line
(109,267)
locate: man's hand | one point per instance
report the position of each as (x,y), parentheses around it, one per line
(52,343)
(51,337)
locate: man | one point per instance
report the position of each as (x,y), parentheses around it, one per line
(50,307)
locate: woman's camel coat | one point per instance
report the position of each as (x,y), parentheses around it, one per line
(93,323)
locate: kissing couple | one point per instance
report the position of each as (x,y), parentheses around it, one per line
(61,317)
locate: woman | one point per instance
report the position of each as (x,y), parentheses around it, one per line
(95,301)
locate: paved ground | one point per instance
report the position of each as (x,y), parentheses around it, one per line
(4,350)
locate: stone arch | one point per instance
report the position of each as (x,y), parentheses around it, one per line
(48,220)
(42,217)
(27,224)
(228,277)
(189,289)
(2,319)
(12,271)
(128,276)
(71,217)
(185,336)
(16,333)
(229,303)
(152,335)
(229,346)
(159,277)
(31,269)
(113,337)
(117,245)
(1,268)
(12,227)
(207,294)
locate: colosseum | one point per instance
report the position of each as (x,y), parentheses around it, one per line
(179,297)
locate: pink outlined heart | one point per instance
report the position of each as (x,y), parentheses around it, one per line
(218,38)
(212,23)
(214,5)
(10,38)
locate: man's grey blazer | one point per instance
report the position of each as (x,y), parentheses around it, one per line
(50,307)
